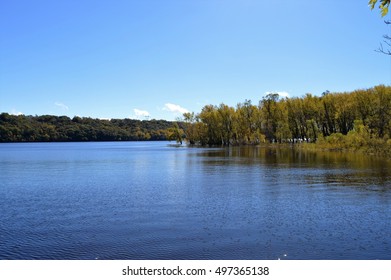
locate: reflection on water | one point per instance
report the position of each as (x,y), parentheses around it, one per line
(143,200)
(331,168)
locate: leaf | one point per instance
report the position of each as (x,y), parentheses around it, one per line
(384,11)
(372,4)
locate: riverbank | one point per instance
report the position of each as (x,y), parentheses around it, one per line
(345,143)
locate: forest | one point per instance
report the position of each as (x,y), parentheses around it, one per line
(48,128)
(355,120)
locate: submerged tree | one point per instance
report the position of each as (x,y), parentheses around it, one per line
(310,118)
(175,133)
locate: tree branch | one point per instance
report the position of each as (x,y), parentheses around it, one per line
(387,41)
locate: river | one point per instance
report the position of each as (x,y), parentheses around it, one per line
(156,200)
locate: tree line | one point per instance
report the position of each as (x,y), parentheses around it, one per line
(48,128)
(358,118)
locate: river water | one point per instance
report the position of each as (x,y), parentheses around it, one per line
(154,200)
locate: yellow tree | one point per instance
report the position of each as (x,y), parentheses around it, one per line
(328,102)
(364,103)
(282,125)
(248,123)
(227,118)
(212,121)
(268,108)
(296,117)
(313,115)
(381,119)
(190,127)
(175,133)
(345,113)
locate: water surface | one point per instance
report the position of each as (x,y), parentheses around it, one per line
(153,200)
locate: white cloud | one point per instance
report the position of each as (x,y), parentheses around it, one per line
(141,113)
(282,94)
(62,106)
(16,113)
(174,108)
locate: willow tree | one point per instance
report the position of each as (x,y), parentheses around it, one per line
(190,127)
(175,133)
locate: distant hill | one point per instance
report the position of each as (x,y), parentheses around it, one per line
(48,128)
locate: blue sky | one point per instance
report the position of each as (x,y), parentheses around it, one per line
(157,59)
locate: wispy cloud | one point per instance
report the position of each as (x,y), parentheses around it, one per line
(174,108)
(280,93)
(141,113)
(62,106)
